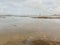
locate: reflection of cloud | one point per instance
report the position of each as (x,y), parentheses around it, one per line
(31,7)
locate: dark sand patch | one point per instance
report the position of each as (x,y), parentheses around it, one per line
(44,42)
(27,39)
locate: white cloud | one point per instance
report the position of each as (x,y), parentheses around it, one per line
(31,7)
(56,10)
(25,7)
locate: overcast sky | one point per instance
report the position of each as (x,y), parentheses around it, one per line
(29,7)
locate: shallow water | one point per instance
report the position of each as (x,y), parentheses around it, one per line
(17,27)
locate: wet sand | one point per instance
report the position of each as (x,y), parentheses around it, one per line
(24,30)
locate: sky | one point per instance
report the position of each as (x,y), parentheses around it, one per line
(29,7)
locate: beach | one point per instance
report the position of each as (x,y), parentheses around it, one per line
(18,29)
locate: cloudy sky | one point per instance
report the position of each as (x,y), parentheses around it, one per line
(29,7)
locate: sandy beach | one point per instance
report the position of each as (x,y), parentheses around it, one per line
(18,29)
